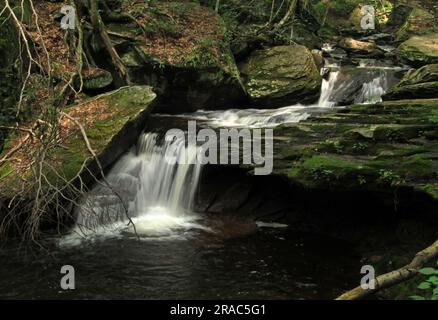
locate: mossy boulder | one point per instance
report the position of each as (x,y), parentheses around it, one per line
(419,21)
(381,148)
(182,50)
(112,123)
(281,76)
(343,17)
(360,48)
(399,16)
(421,83)
(419,50)
(96,80)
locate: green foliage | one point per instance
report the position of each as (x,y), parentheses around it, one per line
(361,180)
(360,147)
(383,8)
(429,285)
(344,7)
(202,55)
(389,177)
(255,21)
(163,27)
(333,145)
(434,116)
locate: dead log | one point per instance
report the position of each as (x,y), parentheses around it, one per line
(395,277)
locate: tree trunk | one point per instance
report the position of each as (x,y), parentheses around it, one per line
(99,27)
(290,12)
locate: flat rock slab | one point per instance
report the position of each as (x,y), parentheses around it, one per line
(363,147)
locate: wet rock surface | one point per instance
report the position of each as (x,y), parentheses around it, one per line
(420,83)
(281,76)
(419,50)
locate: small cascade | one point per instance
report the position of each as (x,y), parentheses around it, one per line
(373,90)
(327,89)
(150,186)
(167,177)
(266,118)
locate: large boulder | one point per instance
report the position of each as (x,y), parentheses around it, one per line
(419,50)
(361,48)
(383,147)
(344,16)
(112,123)
(416,84)
(336,15)
(96,79)
(281,76)
(360,85)
(419,21)
(181,49)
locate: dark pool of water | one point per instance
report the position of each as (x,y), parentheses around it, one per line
(268,264)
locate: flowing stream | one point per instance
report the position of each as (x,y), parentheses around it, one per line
(366,84)
(266,118)
(174,252)
(147,184)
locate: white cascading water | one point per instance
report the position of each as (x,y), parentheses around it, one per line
(266,118)
(327,88)
(164,183)
(157,194)
(372,91)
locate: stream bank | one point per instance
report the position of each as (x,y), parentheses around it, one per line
(354,172)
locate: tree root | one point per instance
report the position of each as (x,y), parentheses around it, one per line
(99,27)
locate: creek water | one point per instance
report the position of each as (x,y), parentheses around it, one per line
(269,264)
(170,251)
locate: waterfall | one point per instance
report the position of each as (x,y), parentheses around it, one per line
(265,118)
(327,88)
(157,194)
(164,183)
(373,91)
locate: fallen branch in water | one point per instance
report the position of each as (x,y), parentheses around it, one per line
(395,277)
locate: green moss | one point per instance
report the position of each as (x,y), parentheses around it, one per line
(5,170)
(433,116)
(418,164)
(98,81)
(281,75)
(325,169)
(329,162)
(331,146)
(360,147)
(124,107)
(319,10)
(388,176)
(344,7)
(420,50)
(430,188)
